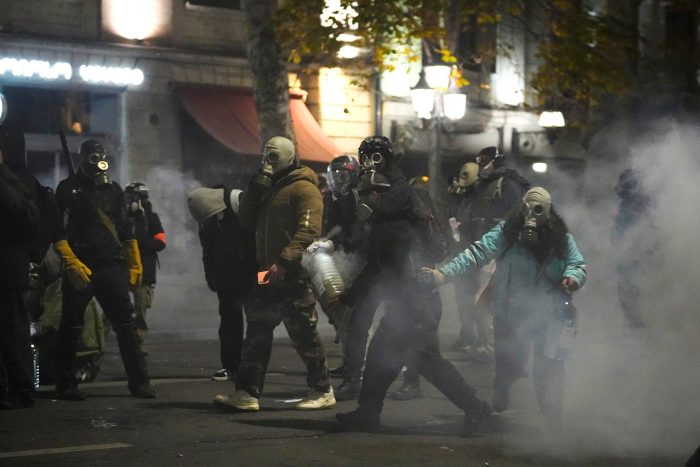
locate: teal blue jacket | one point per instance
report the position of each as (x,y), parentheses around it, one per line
(521,290)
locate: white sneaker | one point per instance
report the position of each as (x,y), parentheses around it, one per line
(240,400)
(221,375)
(317,400)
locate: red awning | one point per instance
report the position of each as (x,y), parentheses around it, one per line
(228,115)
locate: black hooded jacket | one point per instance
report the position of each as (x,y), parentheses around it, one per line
(228,252)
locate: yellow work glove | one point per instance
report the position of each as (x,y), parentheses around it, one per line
(131,250)
(78,274)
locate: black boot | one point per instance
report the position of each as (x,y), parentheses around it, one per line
(501,398)
(142,391)
(474,418)
(348,390)
(359,420)
(69,392)
(338,372)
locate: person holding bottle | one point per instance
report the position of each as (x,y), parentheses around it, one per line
(538,266)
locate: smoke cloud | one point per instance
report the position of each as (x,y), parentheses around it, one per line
(633,392)
(182,304)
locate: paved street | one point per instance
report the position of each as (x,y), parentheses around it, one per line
(182,427)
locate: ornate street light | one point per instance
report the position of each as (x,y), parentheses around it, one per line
(454,102)
(423,98)
(437,95)
(437,76)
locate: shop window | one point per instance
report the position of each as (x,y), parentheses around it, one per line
(476,46)
(39,110)
(227,4)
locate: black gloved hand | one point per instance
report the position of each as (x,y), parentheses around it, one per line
(261,182)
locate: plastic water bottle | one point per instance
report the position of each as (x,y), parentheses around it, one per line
(561,332)
(35,361)
(326,280)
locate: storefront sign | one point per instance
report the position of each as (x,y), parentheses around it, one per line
(62,71)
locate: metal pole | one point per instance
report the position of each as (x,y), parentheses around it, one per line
(434,158)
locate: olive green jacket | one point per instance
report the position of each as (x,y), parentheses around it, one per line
(289,219)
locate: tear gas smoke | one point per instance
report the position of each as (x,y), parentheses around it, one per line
(182,301)
(632,392)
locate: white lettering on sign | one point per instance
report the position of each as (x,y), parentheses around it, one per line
(35,68)
(110,75)
(94,74)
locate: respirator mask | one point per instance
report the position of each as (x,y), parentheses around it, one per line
(536,208)
(94,163)
(277,155)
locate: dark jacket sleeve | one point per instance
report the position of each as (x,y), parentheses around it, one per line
(155,229)
(18,209)
(208,258)
(125,227)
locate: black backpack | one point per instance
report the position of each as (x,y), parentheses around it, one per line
(430,226)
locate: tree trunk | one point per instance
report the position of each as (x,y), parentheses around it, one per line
(269,67)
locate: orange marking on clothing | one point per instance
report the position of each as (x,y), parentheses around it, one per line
(161,237)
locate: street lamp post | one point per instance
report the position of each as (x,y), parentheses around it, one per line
(434,97)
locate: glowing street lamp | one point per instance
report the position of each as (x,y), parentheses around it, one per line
(551,119)
(423,98)
(454,102)
(436,95)
(437,76)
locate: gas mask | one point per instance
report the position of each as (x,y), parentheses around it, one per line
(94,163)
(468,175)
(375,152)
(133,203)
(371,185)
(374,162)
(536,207)
(277,155)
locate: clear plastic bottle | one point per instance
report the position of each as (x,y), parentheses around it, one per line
(561,332)
(326,280)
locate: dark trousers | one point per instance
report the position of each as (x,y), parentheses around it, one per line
(15,348)
(394,345)
(295,307)
(231,309)
(512,350)
(110,285)
(355,344)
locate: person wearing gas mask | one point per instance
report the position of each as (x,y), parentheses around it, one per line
(407,333)
(538,266)
(151,239)
(461,196)
(21,224)
(345,232)
(495,195)
(101,258)
(284,207)
(340,233)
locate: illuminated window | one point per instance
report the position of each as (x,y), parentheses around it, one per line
(228,4)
